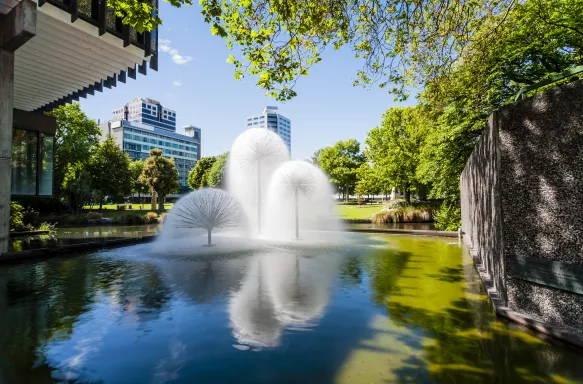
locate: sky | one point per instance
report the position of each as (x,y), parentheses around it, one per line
(194,79)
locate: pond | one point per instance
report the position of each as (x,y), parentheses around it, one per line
(397,309)
(75,235)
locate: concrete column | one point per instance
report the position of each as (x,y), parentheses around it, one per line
(6,105)
(16,28)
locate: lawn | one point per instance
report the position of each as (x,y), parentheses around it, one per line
(135,207)
(357,212)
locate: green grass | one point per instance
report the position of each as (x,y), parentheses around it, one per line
(355,212)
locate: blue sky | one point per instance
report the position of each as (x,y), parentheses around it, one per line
(195,80)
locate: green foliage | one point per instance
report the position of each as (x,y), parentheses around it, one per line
(121,207)
(400,43)
(16,216)
(197,178)
(110,170)
(368,181)
(448,217)
(341,163)
(141,15)
(137,186)
(161,175)
(394,148)
(75,139)
(44,226)
(215,176)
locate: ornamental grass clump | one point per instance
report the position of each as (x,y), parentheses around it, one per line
(407,214)
(151,218)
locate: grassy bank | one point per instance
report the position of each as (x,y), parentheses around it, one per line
(355,212)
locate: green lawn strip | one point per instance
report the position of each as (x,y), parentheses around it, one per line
(355,212)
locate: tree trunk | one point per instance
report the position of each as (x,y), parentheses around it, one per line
(160,204)
(100,205)
(153,201)
(408,195)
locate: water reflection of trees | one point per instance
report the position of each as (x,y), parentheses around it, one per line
(437,292)
(42,303)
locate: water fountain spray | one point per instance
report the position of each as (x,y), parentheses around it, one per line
(300,182)
(255,151)
(207,208)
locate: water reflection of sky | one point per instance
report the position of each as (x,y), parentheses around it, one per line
(413,311)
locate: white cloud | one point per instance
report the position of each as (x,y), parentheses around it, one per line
(177,83)
(177,58)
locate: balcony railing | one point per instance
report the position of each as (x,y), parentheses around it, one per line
(98,14)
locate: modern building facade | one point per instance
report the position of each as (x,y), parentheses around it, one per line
(53,52)
(136,137)
(271,119)
(147,111)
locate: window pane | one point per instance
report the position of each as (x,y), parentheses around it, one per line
(24,162)
(46,171)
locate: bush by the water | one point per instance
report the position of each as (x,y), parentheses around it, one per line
(448,217)
(151,218)
(94,216)
(128,220)
(402,214)
(16,216)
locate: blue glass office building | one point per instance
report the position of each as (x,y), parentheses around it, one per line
(147,111)
(144,124)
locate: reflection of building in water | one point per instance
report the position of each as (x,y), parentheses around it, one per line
(280,289)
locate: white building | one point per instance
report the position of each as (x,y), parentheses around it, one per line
(147,111)
(271,119)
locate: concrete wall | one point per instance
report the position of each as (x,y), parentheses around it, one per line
(522,194)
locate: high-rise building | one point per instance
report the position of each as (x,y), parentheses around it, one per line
(147,111)
(143,124)
(274,121)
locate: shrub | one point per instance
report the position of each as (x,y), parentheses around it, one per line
(448,217)
(128,220)
(151,218)
(121,207)
(30,216)
(44,226)
(407,214)
(162,217)
(94,216)
(396,204)
(16,216)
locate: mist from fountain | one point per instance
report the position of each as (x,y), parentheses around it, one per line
(254,156)
(268,199)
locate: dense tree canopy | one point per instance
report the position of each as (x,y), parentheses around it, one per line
(215,177)
(394,148)
(161,175)
(110,172)
(341,162)
(75,139)
(197,178)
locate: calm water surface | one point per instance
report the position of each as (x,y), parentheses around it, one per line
(399,310)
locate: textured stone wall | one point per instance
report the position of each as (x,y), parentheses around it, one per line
(481,220)
(523,186)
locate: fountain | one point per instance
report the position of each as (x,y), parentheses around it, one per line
(277,199)
(255,155)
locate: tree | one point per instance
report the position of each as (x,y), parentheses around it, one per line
(109,167)
(368,182)
(161,175)
(394,148)
(197,178)
(75,139)
(315,159)
(341,162)
(138,186)
(216,175)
